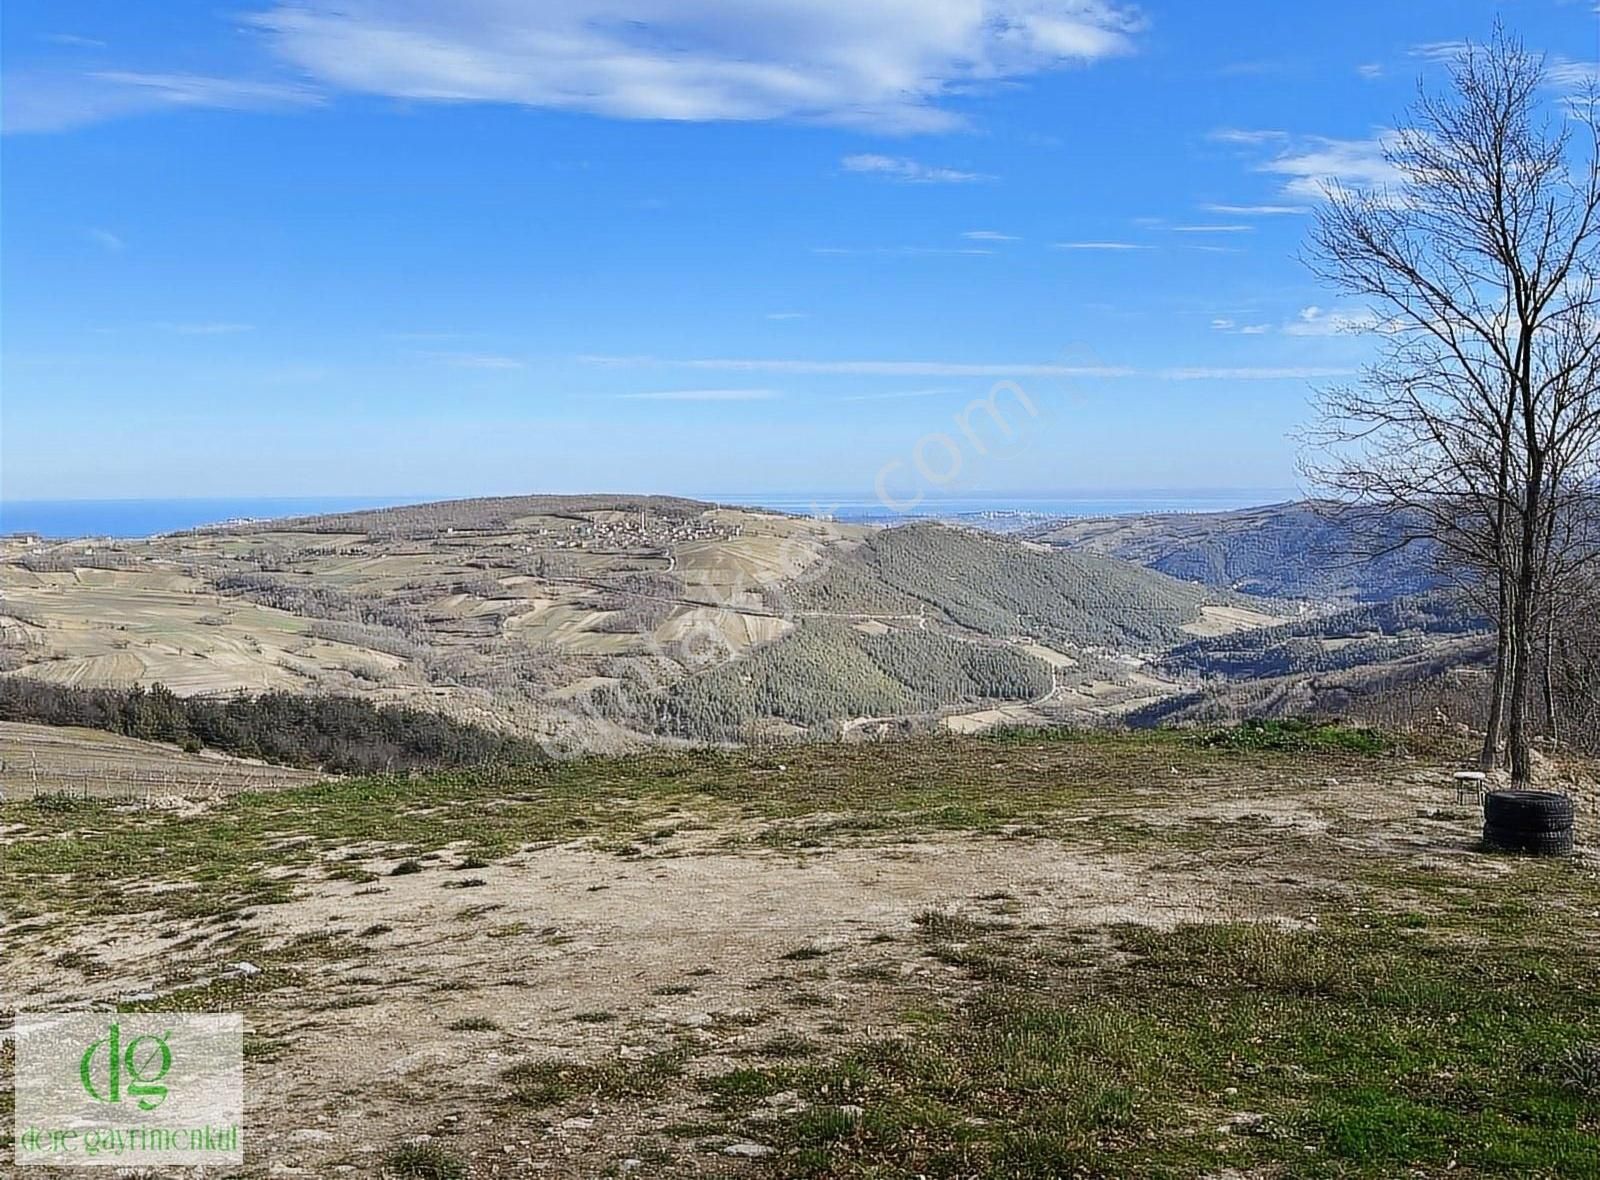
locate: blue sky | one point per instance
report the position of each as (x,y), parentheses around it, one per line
(453,247)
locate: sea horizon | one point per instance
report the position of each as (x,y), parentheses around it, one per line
(142,517)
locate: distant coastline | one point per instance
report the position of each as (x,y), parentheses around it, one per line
(143,518)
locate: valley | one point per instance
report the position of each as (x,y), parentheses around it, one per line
(609,622)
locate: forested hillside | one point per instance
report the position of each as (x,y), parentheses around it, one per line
(1297,550)
(997,587)
(1345,639)
(828,671)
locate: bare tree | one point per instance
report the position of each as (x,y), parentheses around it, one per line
(1477,424)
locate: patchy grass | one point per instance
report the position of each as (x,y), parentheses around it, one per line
(1372,1047)
(425,1161)
(546,1083)
(474,1024)
(1297,734)
(65,849)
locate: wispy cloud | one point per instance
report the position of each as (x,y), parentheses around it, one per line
(1572,75)
(1234,328)
(40,101)
(1286,373)
(105,239)
(901,251)
(1370,71)
(897,395)
(73,40)
(1354,163)
(1256,210)
(875,63)
(1439,50)
(1318,321)
(703,395)
(989,235)
(908,171)
(1212,229)
(475,360)
(207,328)
(1098,246)
(861,368)
(1241,135)
(927,368)
(788,315)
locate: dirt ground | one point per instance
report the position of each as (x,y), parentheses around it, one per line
(386,1008)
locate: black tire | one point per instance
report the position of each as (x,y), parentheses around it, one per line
(1531,843)
(1527,811)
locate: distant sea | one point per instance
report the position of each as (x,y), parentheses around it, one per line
(854,507)
(142,518)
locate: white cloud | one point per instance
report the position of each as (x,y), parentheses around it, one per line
(42,101)
(910,171)
(1573,75)
(704,395)
(1212,229)
(1097,246)
(1318,321)
(1234,328)
(989,235)
(788,315)
(1256,210)
(1439,50)
(879,63)
(1371,71)
(104,238)
(1353,163)
(1243,136)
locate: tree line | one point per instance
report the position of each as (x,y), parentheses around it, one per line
(342,734)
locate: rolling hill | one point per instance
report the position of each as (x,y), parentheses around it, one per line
(598,619)
(1302,550)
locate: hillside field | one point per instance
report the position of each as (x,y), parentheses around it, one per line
(1269,953)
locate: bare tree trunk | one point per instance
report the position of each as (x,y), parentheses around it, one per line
(1493,731)
(1523,615)
(1552,721)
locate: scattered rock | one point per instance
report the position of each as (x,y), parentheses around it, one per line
(246,969)
(310,1135)
(1244,1123)
(752,1151)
